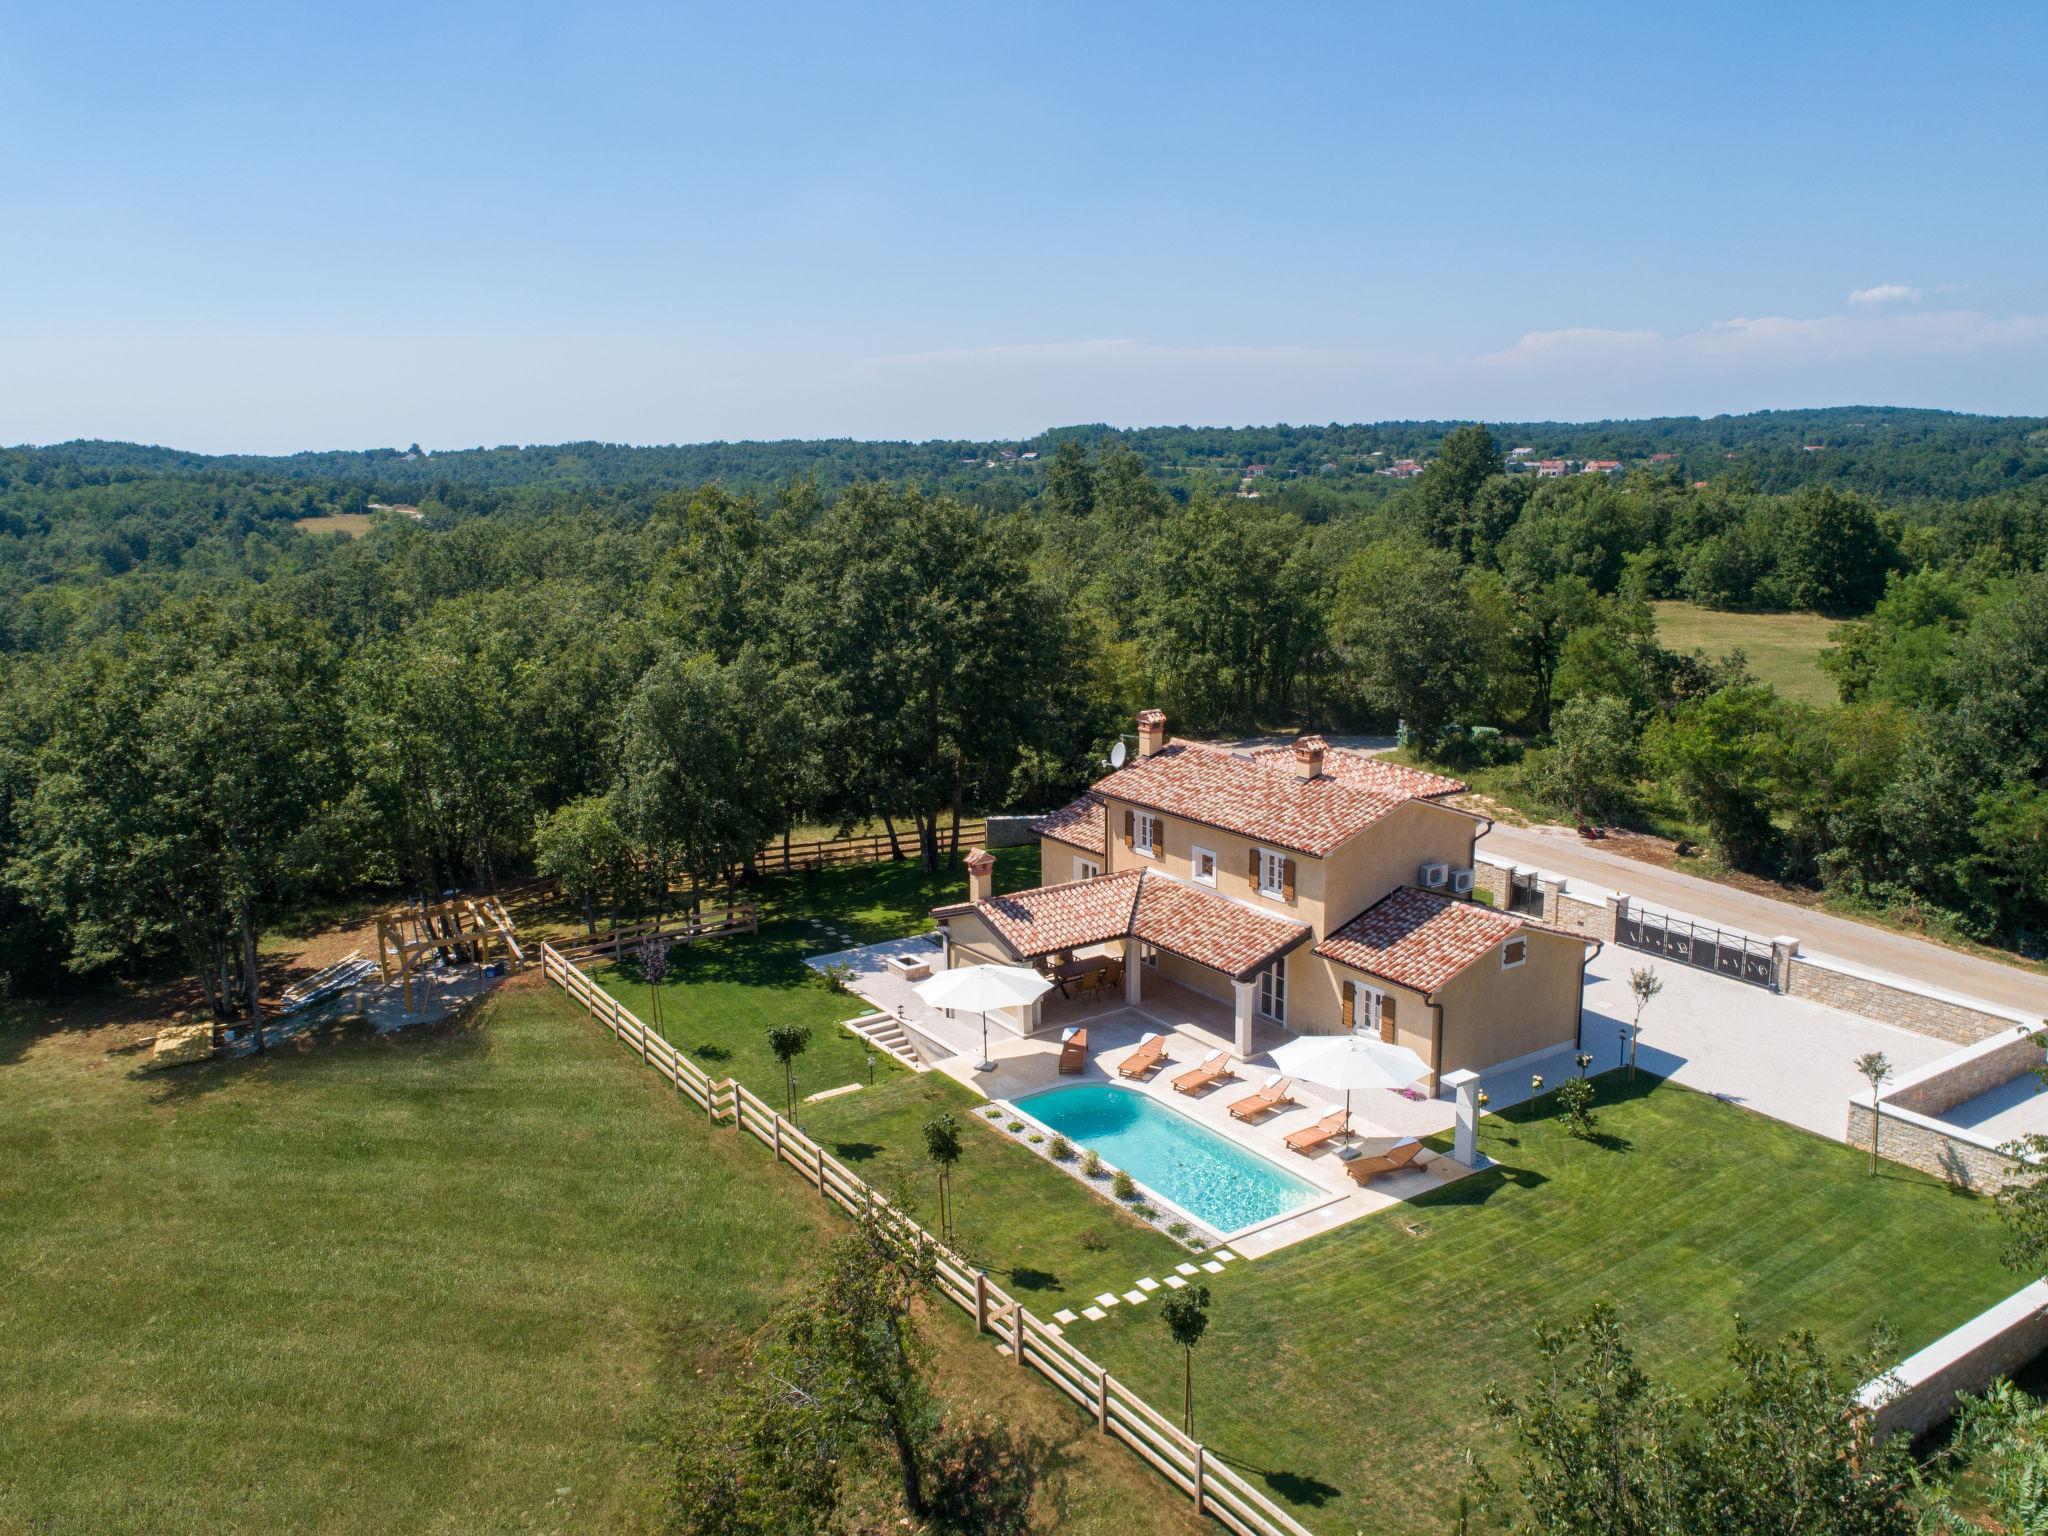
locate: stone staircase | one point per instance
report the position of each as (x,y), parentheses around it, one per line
(886,1034)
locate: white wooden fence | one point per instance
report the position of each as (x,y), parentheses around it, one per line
(1216,1488)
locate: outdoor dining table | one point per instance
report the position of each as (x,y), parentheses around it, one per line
(1073,970)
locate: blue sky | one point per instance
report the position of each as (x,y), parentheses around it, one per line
(295,226)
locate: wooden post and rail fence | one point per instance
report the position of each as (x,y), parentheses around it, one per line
(1216,1488)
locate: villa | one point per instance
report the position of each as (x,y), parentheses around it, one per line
(1309,889)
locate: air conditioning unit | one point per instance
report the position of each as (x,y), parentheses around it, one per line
(1433,876)
(1461,882)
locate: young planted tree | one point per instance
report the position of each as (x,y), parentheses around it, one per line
(1643,984)
(942,1146)
(652,953)
(789,1041)
(1876,1070)
(1186,1315)
(1575,1107)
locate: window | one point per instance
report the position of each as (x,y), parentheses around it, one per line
(1086,869)
(1204,866)
(1273,992)
(1273,873)
(1370,1012)
(1513,953)
(1145,833)
(1147,955)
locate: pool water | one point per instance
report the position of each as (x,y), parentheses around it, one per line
(1209,1176)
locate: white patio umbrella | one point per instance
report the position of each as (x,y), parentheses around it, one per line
(1348,1062)
(980,988)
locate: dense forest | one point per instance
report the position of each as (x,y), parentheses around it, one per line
(626,665)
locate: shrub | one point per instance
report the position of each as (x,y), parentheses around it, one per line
(838,977)
(1014,1127)
(1575,1106)
(1094,1242)
(1061,1149)
(994,1112)
(1123,1186)
(1177,1229)
(1143,1208)
(1034,1138)
(1091,1164)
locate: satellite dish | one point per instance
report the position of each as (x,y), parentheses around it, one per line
(1116,755)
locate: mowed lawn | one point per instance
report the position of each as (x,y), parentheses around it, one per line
(1039,1233)
(1348,1373)
(1783,648)
(437,1283)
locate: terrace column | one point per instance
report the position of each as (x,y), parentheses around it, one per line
(1465,1145)
(1134,985)
(1243,991)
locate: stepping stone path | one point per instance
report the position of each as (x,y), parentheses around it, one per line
(1185,1269)
(1225,1255)
(1064,1315)
(1148,1284)
(1094,1314)
(1135,1298)
(1212,1268)
(1106,1299)
(1174,1282)
(1055,1330)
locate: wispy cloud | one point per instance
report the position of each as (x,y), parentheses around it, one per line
(1886,293)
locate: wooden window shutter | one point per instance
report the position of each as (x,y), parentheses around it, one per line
(1130,825)
(1255,869)
(1287,878)
(1387,1018)
(1159,836)
(1350,993)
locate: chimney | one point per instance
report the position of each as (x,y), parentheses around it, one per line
(1308,757)
(981,875)
(1151,731)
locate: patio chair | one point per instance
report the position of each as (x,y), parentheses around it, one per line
(1093,982)
(1113,976)
(1278,1090)
(1074,1051)
(1151,1052)
(1212,1068)
(1364,1170)
(1311,1138)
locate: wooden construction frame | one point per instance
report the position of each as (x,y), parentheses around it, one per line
(473,928)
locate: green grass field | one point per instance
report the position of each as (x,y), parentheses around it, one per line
(1039,1232)
(437,1283)
(1783,648)
(1349,1371)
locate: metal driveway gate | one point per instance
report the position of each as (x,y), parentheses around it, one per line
(1724,951)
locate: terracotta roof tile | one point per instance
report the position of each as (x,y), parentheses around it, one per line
(1258,795)
(1419,939)
(1055,917)
(1181,919)
(1209,929)
(1078,825)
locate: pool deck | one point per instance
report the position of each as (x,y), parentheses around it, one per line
(1194,1025)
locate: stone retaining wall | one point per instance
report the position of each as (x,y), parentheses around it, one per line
(1922,1392)
(1924,1013)
(1946,1151)
(1961,1075)
(1011,831)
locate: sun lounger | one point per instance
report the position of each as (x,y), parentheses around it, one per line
(1364,1170)
(1310,1138)
(1150,1053)
(1212,1068)
(1074,1051)
(1278,1091)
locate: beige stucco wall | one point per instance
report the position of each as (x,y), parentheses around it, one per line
(1492,1015)
(973,943)
(1233,864)
(1328,893)
(1390,853)
(1056,862)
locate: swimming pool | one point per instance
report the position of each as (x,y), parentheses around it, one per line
(1209,1176)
